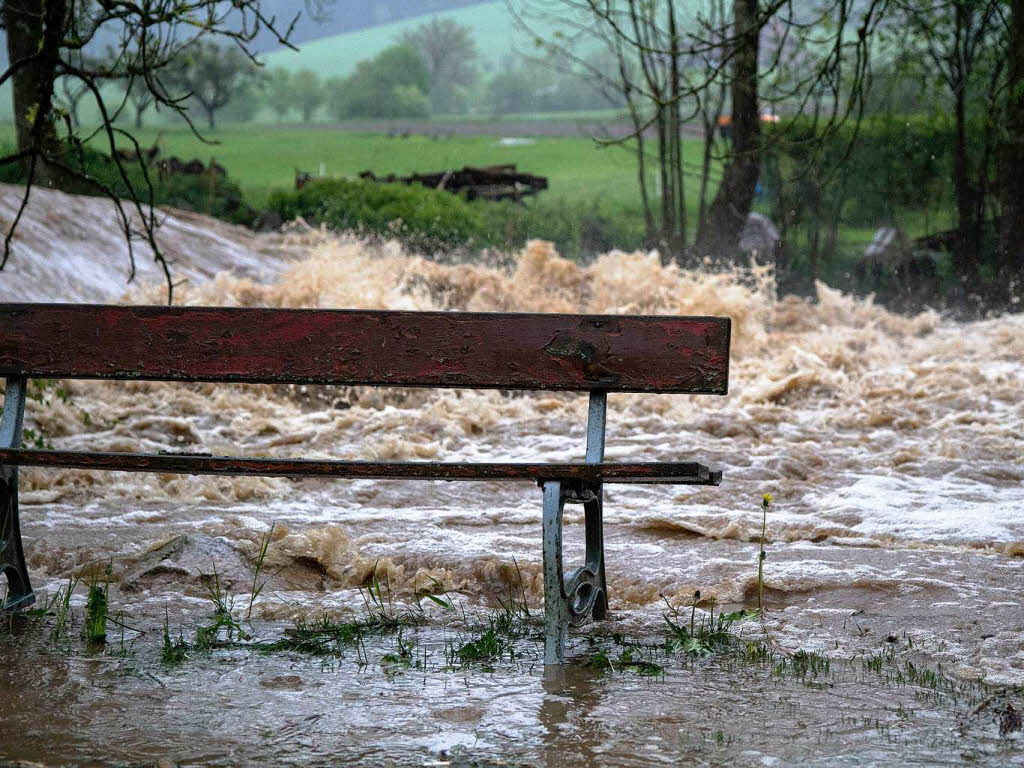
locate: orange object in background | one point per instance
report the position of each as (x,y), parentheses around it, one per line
(725,121)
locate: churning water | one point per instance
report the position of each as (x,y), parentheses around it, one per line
(893,445)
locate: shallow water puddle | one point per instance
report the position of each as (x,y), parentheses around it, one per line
(226,707)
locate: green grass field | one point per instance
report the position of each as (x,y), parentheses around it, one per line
(260,158)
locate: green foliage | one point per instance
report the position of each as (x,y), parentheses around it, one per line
(308,92)
(423,219)
(703,636)
(393,84)
(509,93)
(211,75)
(61,603)
(246,102)
(485,647)
(218,197)
(522,85)
(828,196)
(450,53)
(601,661)
(261,558)
(96,602)
(303,91)
(858,177)
(433,221)
(222,622)
(174,651)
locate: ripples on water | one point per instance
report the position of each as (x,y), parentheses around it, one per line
(893,446)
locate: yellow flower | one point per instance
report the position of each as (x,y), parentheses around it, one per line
(767,499)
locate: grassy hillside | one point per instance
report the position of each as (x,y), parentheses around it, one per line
(492,25)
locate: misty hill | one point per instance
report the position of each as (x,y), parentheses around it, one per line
(318,18)
(494,31)
(341,16)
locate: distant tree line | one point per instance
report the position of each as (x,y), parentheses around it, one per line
(434,69)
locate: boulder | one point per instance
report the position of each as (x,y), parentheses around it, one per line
(188,560)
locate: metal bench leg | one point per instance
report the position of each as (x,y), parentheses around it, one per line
(594,521)
(597,419)
(12,556)
(555,614)
(576,597)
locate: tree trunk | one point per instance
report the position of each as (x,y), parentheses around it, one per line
(729,210)
(679,243)
(34,29)
(1011,161)
(665,230)
(968,232)
(641,171)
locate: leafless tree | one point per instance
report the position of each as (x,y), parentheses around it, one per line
(47,42)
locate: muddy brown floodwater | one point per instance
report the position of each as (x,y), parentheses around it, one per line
(894,632)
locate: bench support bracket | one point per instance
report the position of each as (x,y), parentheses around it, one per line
(12,556)
(576,597)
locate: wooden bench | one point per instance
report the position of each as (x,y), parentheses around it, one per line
(595,354)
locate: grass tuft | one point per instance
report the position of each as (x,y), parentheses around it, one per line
(174,651)
(96,603)
(223,620)
(704,637)
(257,587)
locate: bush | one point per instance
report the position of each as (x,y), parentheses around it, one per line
(891,165)
(222,198)
(423,219)
(433,221)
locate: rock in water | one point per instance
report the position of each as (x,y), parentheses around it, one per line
(759,236)
(188,560)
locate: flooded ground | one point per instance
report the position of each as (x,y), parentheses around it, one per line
(894,631)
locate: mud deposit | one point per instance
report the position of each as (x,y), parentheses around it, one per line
(894,633)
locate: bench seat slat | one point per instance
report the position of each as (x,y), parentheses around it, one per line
(474,350)
(681,473)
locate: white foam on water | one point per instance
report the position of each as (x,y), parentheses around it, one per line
(904,507)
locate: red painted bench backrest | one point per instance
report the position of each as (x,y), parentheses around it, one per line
(615,353)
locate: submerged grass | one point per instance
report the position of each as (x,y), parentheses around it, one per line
(174,651)
(628,658)
(261,558)
(708,635)
(96,603)
(223,628)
